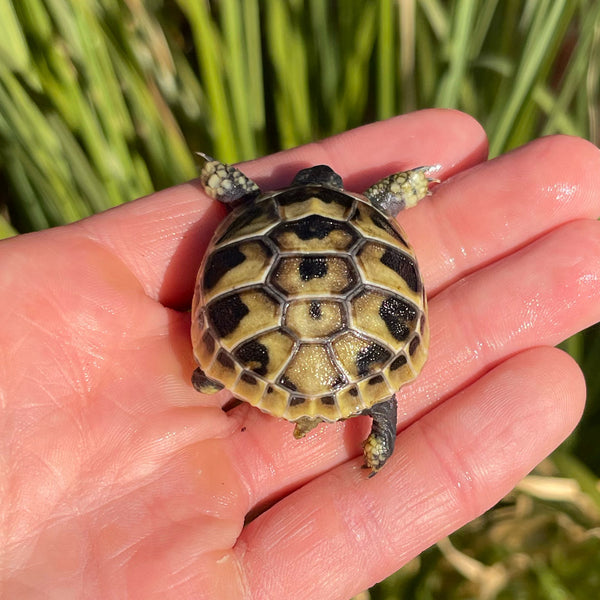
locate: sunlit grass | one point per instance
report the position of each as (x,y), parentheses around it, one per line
(102,102)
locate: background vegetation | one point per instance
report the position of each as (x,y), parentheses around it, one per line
(102,101)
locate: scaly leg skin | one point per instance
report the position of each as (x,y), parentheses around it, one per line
(226,183)
(378,447)
(400,190)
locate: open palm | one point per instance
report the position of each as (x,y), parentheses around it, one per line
(120,481)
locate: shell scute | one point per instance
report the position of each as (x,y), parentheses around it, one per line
(254,220)
(390,268)
(225,369)
(249,386)
(239,316)
(315,320)
(314,233)
(311,372)
(376,226)
(266,354)
(314,275)
(297,203)
(236,265)
(359,356)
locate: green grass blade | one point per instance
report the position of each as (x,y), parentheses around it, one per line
(14,51)
(209,52)
(238,76)
(386,74)
(287,53)
(254,68)
(538,43)
(458,53)
(6,229)
(327,64)
(353,97)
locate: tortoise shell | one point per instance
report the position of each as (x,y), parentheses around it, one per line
(309,304)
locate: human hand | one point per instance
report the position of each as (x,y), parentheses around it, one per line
(121,481)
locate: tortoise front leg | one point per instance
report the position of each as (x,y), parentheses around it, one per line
(226,183)
(400,190)
(378,447)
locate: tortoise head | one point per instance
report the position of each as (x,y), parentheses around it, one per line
(319,175)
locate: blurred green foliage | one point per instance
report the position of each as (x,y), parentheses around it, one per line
(102,101)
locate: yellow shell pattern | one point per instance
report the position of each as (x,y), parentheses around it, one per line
(309,303)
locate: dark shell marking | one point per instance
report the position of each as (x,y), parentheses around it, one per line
(310,304)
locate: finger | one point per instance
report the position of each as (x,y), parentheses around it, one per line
(496,207)
(538,296)
(449,467)
(162,238)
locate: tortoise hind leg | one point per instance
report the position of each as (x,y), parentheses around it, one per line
(378,447)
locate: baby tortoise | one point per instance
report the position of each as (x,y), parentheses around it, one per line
(309,303)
